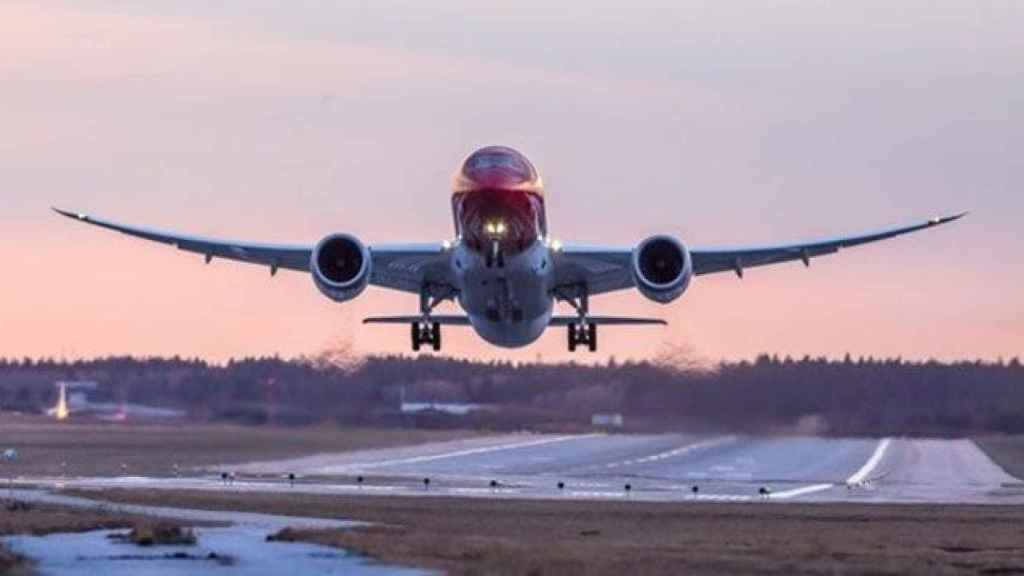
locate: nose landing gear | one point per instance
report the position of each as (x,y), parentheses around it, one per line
(495,256)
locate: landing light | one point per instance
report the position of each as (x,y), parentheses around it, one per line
(495,228)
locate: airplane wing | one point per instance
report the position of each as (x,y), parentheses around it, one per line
(399,267)
(609,269)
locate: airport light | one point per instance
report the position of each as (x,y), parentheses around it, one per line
(10,455)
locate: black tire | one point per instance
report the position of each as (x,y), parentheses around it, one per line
(415,337)
(592,337)
(572,337)
(436,337)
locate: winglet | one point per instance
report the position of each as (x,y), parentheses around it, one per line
(947,219)
(72,215)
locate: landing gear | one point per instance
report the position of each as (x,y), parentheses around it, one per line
(583,334)
(426,333)
(495,256)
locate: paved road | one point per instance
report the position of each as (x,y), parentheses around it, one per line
(656,467)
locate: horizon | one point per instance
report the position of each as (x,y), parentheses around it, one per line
(610,360)
(726,125)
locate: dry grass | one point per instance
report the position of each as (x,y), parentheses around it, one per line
(12,564)
(43,519)
(49,448)
(494,536)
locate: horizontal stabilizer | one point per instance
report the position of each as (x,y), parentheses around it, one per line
(608,321)
(440,319)
(448,320)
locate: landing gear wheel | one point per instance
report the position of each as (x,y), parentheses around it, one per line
(424,333)
(585,334)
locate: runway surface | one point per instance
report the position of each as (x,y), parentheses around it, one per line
(663,467)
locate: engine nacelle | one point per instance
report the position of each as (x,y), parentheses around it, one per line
(662,268)
(341,267)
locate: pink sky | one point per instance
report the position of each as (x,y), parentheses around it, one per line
(285,122)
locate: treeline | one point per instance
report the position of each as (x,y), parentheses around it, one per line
(820,396)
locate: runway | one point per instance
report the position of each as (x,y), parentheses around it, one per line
(662,467)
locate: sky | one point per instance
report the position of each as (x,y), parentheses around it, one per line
(722,123)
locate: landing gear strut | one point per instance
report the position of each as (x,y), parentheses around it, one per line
(495,256)
(426,333)
(583,332)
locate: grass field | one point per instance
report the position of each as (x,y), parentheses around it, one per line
(495,536)
(49,448)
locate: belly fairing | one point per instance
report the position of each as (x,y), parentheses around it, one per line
(509,306)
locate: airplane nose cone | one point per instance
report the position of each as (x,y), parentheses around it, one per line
(496,176)
(498,167)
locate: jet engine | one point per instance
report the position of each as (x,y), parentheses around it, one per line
(662,268)
(341,267)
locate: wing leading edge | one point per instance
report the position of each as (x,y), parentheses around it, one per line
(608,269)
(405,267)
(708,261)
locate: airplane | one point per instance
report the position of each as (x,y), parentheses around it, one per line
(503,267)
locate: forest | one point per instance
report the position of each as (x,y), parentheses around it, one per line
(862,396)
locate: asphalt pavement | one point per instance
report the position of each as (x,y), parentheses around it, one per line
(659,467)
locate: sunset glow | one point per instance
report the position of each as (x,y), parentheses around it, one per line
(286,123)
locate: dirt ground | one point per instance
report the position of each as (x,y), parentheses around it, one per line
(50,448)
(1007,451)
(494,536)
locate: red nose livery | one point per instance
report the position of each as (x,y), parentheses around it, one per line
(498,197)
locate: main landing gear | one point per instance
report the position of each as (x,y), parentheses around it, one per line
(426,333)
(583,332)
(583,335)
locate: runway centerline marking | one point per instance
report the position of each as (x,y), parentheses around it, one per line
(669,453)
(876,458)
(466,452)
